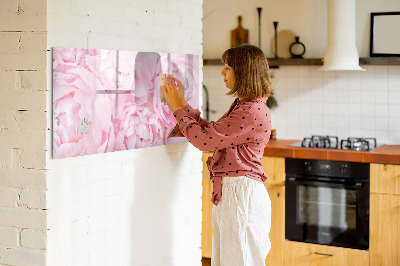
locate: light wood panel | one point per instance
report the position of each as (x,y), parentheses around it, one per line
(385,178)
(206,232)
(384,230)
(305,254)
(274,168)
(277,233)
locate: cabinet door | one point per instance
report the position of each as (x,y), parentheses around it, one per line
(277,233)
(384,229)
(274,168)
(385,178)
(206,232)
(305,254)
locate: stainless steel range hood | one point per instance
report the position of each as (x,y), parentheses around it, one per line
(341,51)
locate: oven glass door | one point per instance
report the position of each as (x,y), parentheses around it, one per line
(326,213)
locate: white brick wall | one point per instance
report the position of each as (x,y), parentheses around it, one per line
(23,132)
(137,207)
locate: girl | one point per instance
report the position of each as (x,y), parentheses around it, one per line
(242,208)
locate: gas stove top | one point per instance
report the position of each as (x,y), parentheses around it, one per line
(332,142)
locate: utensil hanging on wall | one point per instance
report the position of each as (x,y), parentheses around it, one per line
(276,38)
(259,9)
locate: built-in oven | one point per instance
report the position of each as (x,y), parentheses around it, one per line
(327,202)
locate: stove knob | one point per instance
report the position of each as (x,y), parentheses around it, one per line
(343,168)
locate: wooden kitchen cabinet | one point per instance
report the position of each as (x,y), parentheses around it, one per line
(206,225)
(385,178)
(274,168)
(277,233)
(384,236)
(305,254)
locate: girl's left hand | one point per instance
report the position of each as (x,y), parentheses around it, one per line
(170,91)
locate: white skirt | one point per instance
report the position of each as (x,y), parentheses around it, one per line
(241,223)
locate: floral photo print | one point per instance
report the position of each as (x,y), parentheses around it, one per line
(109,100)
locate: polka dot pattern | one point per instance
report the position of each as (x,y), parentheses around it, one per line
(238,139)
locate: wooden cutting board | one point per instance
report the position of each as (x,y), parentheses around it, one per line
(239,35)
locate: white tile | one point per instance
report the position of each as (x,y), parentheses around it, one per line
(354,84)
(304,109)
(369,70)
(355,109)
(317,120)
(394,137)
(342,133)
(367,83)
(342,109)
(394,110)
(293,120)
(317,95)
(328,74)
(317,107)
(394,70)
(394,97)
(329,122)
(355,132)
(329,109)
(381,97)
(367,122)
(342,122)
(292,83)
(394,83)
(303,82)
(381,110)
(342,81)
(381,123)
(329,131)
(394,123)
(317,131)
(342,96)
(382,136)
(355,96)
(291,71)
(380,71)
(304,72)
(381,84)
(329,95)
(316,82)
(367,96)
(368,110)
(316,72)
(355,122)
(367,133)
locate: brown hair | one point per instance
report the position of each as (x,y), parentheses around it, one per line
(250,66)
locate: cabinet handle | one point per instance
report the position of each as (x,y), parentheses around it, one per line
(325,254)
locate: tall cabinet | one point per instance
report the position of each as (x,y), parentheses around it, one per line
(385,215)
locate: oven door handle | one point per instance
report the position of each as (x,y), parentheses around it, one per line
(357,185)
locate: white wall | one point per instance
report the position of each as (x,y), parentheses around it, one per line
(311,102)
(23,133)
(136,207)
(305,18)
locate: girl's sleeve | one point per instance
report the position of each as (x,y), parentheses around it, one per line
(193,113)
(231,130)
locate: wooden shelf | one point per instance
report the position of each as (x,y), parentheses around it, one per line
(380,61)
(273,63)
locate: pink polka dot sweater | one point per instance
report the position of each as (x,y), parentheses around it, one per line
(238,139)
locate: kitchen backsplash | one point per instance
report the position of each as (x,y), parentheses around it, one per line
(314,102)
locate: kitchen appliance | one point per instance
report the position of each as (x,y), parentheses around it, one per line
(332,142)
(327,202)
